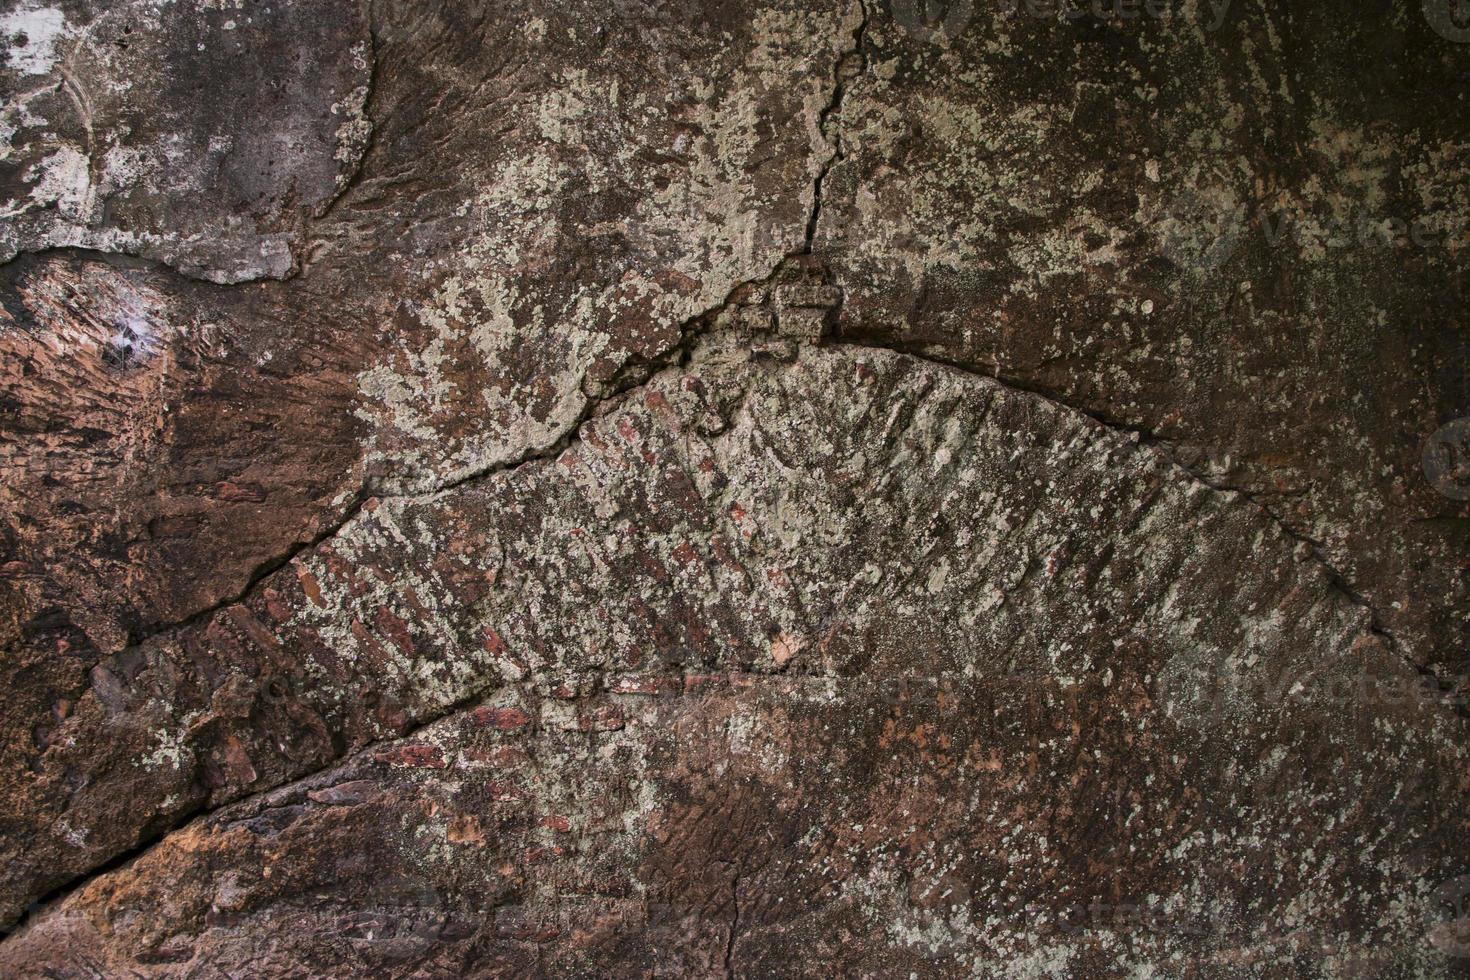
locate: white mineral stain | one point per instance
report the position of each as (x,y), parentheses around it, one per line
(41,27)
(62,179)
(172,750)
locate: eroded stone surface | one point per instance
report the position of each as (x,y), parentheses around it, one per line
(164,443)
(914,534)
(569,187)
(782,824)
(624,180)
(1241,228)
(797,657)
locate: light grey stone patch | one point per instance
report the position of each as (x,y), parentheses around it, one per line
(197,134)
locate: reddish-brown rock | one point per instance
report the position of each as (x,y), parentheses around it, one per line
(749,488)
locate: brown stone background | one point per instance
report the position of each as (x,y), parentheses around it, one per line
(734,487)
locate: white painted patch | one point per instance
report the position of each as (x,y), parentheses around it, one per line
(42,27)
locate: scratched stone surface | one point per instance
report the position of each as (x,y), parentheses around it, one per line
(733,487)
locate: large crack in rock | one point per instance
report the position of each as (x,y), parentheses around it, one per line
(715,651)
(618,189)
(879,640)
(636,175)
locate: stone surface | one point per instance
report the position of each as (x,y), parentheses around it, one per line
(739,488)
(1239,228)
(196,133)
(886,659)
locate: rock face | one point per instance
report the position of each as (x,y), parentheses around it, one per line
(198,134)
(746,488)
(1240,228)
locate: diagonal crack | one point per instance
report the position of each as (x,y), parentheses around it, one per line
(358,167)
(734,926)
(851,63)
(147,842)
(1340,584)
(696,326)
(690,331)
(479,692)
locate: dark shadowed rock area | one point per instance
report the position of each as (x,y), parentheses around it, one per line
(874,488)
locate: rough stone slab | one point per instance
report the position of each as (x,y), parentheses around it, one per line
(568,187)
(772,824)
(591,192)
(915,540)
(1241,228)
(344,537)
(164,443)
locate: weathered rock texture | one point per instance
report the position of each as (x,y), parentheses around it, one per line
(751,488)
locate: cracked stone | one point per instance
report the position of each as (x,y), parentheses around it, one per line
(731,488)
(1218,226)
(914,534)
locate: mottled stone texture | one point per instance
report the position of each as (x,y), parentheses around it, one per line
(734,487)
